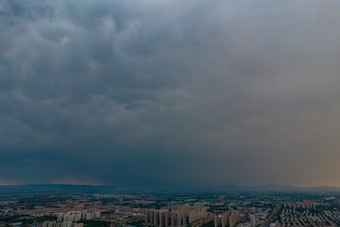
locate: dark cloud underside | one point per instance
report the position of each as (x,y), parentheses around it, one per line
(169,92)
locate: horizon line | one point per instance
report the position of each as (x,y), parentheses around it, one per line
(182,186)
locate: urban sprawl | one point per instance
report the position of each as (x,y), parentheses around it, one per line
(229,209)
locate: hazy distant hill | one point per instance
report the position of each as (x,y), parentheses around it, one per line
(278,188)
(67,188)
(55,188)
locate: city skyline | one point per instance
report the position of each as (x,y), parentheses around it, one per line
(170,93)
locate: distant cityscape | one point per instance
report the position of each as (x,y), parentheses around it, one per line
(70,208)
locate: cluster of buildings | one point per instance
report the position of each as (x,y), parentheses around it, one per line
(70,219)
(190,215)
(72,216)
(230,218)
(334,215)
(61,224)
(178,216)
(290,217)
(305,204)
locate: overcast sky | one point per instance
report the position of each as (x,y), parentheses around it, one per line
(170,92)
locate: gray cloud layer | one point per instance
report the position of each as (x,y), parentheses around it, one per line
(169,92)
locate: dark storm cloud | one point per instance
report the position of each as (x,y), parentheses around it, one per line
(169,92)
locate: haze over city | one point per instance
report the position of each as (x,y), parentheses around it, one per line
(170,93)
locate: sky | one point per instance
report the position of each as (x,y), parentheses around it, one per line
(170,93)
